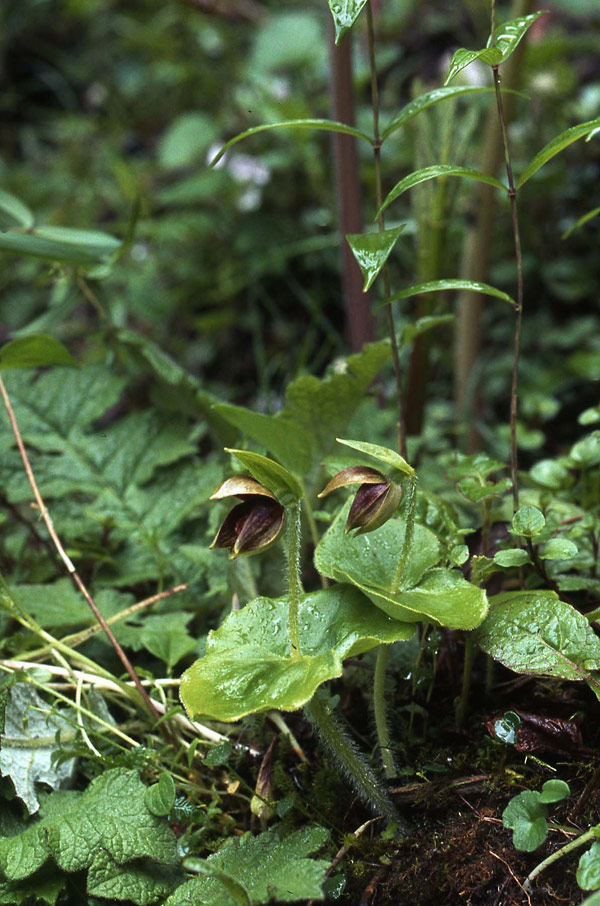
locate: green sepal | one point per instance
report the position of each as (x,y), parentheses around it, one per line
(282,483)
(382,454)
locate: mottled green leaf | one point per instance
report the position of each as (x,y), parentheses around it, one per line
(555,146)
(372,250)
(438,171)
(34,351)
(533,632)
(324,125)
(345,13)
(436,286)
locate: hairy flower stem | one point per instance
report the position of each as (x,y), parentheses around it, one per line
(591,834)
(351,761)
(381,723)
(293,576)
(512,194)
(381,221)
(411,500)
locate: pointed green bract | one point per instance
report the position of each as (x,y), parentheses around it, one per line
(282,483)
(345,13)
(413,108)
(247,668)
(34,351)
(13,213)
(436,286)
(507,37)
(323,125)
(382,454)
(556,145)
(372,250)
(440,170)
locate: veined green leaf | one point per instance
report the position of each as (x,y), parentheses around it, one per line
(372,250)
(435,286)
(345,13)
(419,176)
(413,108)
(85,247)
(324,125)
(13,213)
(282,483)
(34,351)
(507,37)
(555,146)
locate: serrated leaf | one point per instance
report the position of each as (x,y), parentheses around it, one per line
(558,549)
(160,797)
(29,742)
(436,172)
(555,146)
(381,454)
(528,521)
(324,125)
(13,213)
(533,632)
(345,13)
(588,870)
(272,475)
(269,866)
(525,815)
(84,247)
(513,557)
(164,636)
(372,250)
(436,286)
(34,351)
(413,108)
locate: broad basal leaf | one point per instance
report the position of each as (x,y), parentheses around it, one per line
(555,146)
(345,13)
(372,250)
(248,667)
(29,742)
(536,633)
(270,867)
(439,171)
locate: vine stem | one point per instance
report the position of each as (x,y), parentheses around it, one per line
(381,223)
(512,194)
(66,559)
(293,576)
(352,762)
(381,723)
(591,834)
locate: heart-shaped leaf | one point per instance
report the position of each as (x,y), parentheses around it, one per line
(534,632)
(525,815)
(372,250)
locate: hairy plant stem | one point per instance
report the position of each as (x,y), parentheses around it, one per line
(512,194)
(381,222)
(351,760)
(145,698)
(293,576)
(591,834)
(411,501)
(381,723)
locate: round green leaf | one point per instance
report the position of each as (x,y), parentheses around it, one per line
(528,521)
(525,815)
(550,474)
(513,557)
(588,871)
(586,452)
(282,483)
(558,549)
(554,791)
(227,685)
(459,554)
(160,797)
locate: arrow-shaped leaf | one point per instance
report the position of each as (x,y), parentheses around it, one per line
(419,176)
(345,13)
(372,250)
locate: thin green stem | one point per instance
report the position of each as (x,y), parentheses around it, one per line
(591,834)
(351,761)
(381,723)
(512,194)
(293,576)
(408,535)
(463,702)
(381,222)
